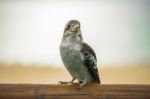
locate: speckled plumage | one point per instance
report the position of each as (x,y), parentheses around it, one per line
(77,56)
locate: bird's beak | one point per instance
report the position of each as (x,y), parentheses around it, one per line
(77,28)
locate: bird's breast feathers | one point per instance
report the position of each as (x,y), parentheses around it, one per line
(70,46)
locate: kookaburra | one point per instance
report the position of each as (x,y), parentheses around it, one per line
(78,57)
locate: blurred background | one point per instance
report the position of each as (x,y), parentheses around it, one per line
(31,31)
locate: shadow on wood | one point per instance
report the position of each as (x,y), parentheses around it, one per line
(45,91)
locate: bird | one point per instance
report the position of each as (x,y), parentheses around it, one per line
(77,56)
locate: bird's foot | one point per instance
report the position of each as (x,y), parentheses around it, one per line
(81,85)
(63,82)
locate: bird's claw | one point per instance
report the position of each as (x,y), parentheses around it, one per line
(59,82)
(81,85)
(63,82)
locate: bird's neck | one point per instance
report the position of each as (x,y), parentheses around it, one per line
(73,38)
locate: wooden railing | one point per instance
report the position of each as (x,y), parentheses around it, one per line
(48,91)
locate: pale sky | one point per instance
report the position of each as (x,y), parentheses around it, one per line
(31,31)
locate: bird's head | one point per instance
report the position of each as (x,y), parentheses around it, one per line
(72,28)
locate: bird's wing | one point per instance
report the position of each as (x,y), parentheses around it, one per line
(90,61)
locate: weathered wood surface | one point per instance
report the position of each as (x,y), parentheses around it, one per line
(48,91)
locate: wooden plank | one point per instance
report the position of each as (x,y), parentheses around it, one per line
(48,91)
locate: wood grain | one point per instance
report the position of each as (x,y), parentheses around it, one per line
(92,91)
